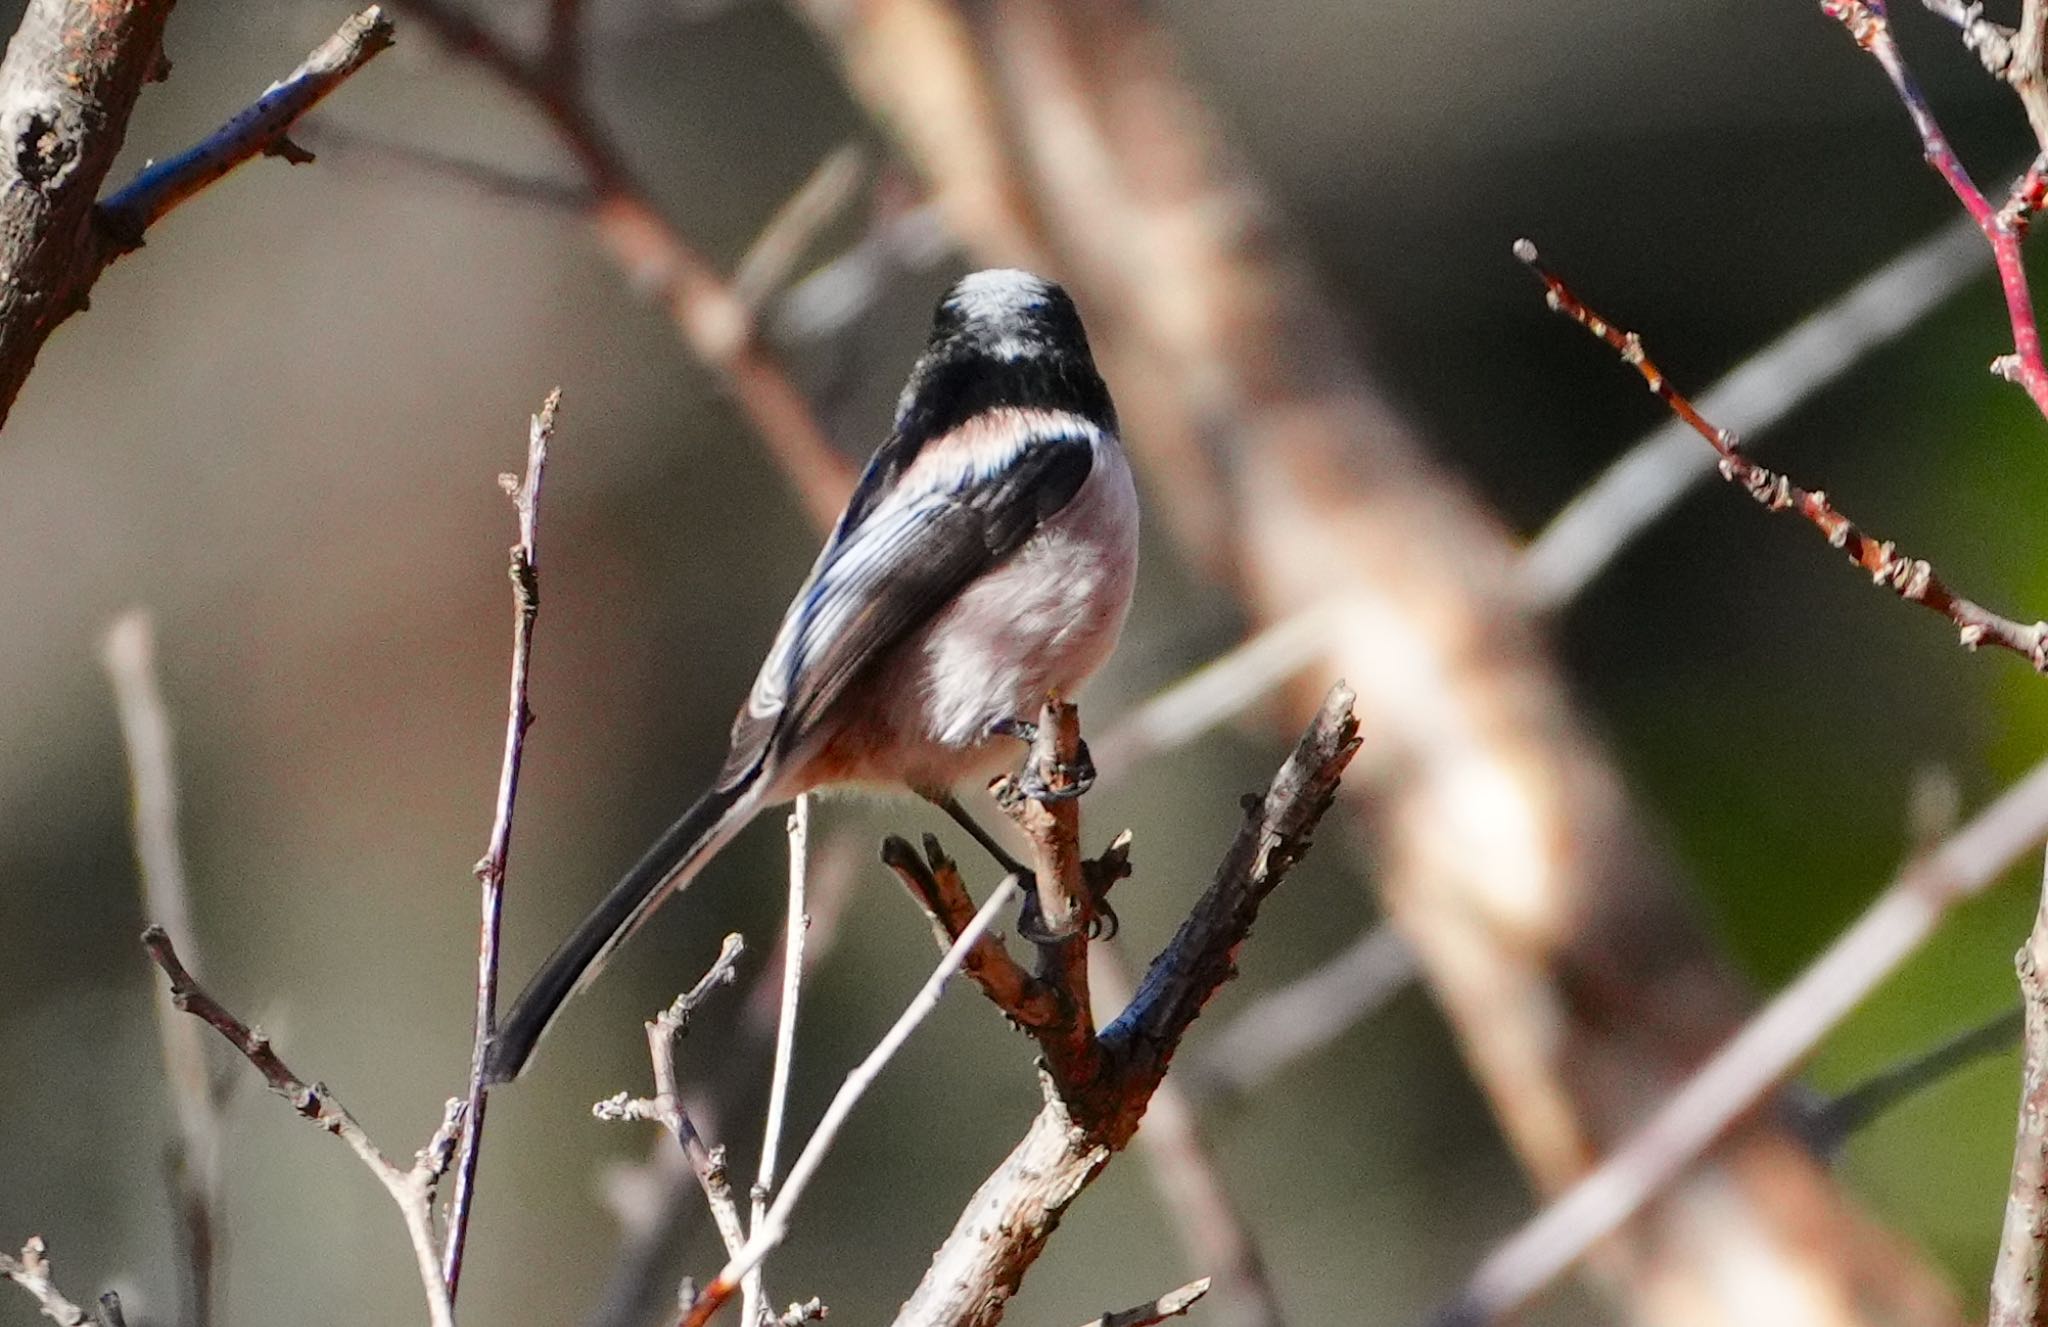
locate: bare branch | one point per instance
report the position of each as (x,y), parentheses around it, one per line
(32,1273)
(129,653)
(1169,1305)
(1912,579)
(490,869)
(797,923)
(1829,1122)
(2016,1278)
(412,1188)
(261,130)
(1006,1224)
(1050,817)
(68,85)
(1758,1057)
(1648,479)
(776,1226)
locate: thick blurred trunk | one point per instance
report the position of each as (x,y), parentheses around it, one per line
(1063,135)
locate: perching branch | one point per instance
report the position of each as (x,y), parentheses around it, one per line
(1006,1224)
(1912,579)
(32,1273)
(412,1188)
(68,86)
(1774,1042)
(490,869)
(129,653)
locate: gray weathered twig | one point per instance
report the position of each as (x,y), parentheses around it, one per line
(1169,1305)
(2016,1278)
(775,1227)
(129,653)
(666,1108)
(32,1273)
(411,1187)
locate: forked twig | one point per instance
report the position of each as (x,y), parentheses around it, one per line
(412,1187)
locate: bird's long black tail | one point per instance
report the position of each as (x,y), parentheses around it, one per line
(662,870)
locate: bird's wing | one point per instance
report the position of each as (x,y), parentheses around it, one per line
(967,502)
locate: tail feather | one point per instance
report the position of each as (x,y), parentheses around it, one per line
(662,870)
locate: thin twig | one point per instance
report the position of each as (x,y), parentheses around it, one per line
(1869,24)
(129,654)
(1283,1026)
(1912,579)
(1169,1305)
(1828,1123)
(1052,821)
(32,1273)
(1758,1057)
(490,869)
(775,1227)
(261,130)
(798,922)
(1647,480)
(765,269)
(406,161)
(666,1107)
(2016,1278)
(412,1188)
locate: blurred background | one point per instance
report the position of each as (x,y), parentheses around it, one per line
(279,427)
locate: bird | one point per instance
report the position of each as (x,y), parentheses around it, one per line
(985,560)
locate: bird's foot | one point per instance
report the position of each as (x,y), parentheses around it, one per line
(1032,926)
(1059,782)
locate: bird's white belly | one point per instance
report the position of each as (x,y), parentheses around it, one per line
(1041,621)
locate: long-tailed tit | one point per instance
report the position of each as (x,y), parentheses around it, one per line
(985,559)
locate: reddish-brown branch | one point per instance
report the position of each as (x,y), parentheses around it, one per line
(1912,579)
(1869,24)
(490,869)
(716,323)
